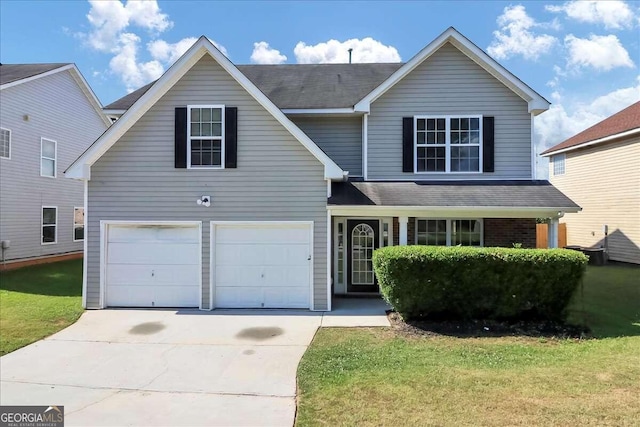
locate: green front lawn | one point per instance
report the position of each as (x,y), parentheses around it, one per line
(38,301)
(377,377)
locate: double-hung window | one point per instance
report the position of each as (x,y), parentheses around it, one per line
(49,225)
(78,224)
(48,157)
(558,164)
(205,136)
(5,143)
(448,143)
(449,232)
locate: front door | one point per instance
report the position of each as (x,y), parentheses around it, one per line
(362,239)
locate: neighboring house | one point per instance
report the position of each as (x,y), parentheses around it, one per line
(271,185)
(48,117)
(599,168)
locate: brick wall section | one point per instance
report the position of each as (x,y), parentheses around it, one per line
(505,232)
(411,231)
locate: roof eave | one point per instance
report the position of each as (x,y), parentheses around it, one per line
(551,151)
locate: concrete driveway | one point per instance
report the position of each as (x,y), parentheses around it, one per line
(165,367)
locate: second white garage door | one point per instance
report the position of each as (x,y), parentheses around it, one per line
(262,265)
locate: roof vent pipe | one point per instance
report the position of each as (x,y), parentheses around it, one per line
(350,50)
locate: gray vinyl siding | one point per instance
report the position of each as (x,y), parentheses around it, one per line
(449,83)
(57,109)
(339,137)
(277,179)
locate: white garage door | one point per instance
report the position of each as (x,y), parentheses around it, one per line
(153,266)
(262,265)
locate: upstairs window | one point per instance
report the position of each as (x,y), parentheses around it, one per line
(558,164)
(448,144)
(48,156)
(205,136)
(5,143)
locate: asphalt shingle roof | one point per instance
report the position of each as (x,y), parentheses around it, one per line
(293,86)
(622,121)
(13,72)
(516,194)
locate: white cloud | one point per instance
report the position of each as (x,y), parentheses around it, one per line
(112,31)
(366,50)
(516,35)
(263,54)
(602,53)
(169,52)
(563,121)
(125,64)
(613,14)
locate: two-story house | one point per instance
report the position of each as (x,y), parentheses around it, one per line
(48,116)
(271,185)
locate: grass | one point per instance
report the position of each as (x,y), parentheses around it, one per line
(374,377)
(38,301)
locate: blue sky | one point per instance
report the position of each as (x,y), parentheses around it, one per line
(582,56)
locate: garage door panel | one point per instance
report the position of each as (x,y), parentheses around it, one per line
(153,253)
(153,233)
(145,296)
(262,266)
(153,266)
(119,274)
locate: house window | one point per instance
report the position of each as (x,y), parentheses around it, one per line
(49,225)
(558,164)
(448,144)
(78,224)
(48,155)
(449,232)
(205,136)
(5,143)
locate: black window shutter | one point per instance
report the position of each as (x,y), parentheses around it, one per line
(407,144)
(487,144)
(231,137)
(180,156)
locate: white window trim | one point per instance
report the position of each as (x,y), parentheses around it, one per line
(189,137)
(76,225)
(447,143)
(8,130)
(559,157)
(42,225)
(449,227)
(55,158)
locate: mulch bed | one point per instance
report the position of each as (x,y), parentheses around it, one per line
(485,328)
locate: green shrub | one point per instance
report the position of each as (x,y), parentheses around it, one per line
(478,283)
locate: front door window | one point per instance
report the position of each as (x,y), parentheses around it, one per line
(362,246)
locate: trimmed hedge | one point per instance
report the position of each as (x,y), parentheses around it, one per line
(479,283)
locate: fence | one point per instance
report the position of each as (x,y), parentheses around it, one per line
(542,235)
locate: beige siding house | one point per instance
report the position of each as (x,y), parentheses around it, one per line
(600,170)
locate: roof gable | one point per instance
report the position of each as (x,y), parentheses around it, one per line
(623,123)
(16,74)
(81,167)
(536,103)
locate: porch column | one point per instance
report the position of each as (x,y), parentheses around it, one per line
(552,233)
(402,230)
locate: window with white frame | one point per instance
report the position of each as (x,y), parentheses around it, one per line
(49,225)
(558,164)
(448,143)
(48,156)
(205,136)
(5,143)
(78,224)
(449,232)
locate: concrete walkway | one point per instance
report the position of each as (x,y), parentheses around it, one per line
(178,368)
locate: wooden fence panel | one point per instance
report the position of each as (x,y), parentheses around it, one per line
(542,235)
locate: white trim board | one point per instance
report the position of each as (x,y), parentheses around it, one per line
(462,212)
(81,167)
(537,104)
